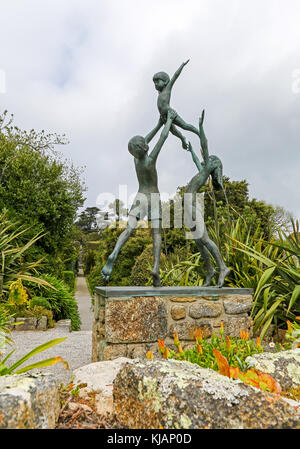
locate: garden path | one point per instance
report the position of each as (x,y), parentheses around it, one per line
(76,349)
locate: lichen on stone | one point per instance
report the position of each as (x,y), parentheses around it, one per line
(152,393)
(294,372)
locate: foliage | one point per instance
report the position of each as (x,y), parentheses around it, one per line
(271,268)
(5,317)
(38,187)
(30,310)
(12,252)
(69,279)
(87,220)
(17,294)
(62,302)
(5,370)
(257,379)
(277,293)
(225,355)
(293,333)
(236,350)
(89,261)
(41,302)
(141,270)
(126,259)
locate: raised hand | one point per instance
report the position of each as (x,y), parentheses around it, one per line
(189,148)
(201,120)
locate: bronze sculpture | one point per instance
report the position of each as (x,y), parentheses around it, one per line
(211,166)
(147,201)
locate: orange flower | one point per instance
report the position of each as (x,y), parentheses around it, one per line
(244,335)
(297,317)
(289,326)
(176,339)
(199,349)
(166,353)
(228,344)
(258,342)
(222,328)
(161,346)
(149,355)
(180,350)
(198,335)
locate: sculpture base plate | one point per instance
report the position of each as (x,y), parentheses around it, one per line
(169,291)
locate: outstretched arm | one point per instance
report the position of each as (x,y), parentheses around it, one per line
(164,134)
(203,139)
(152,133)
(195,158)
(176,74)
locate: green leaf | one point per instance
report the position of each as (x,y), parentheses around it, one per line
(294,297)
(47,362)
(35,351)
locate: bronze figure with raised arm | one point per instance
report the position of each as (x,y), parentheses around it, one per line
(147,201)
(163,84)
(211,166)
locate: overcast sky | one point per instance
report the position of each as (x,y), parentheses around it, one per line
(85,68)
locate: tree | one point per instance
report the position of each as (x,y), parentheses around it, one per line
(87,220)
(118,209)
(37,186)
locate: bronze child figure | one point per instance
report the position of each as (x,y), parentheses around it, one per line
(164,85)
(147,200)
(212,166)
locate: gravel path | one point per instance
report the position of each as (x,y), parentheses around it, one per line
(76,349)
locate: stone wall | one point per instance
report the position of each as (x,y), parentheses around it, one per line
(29,323)
(128,322)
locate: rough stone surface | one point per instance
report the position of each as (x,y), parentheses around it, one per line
(125,326)
(140,319)
(42,324)
(205,309)
(64,324)
(178,312)
(111,352)
(28,401)
(237,304)
(235,324)
(99,378)
(186,329)
(182,299)
(173,394)
(28,323)
(283,366)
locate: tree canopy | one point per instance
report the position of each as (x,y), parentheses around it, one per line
(36,185)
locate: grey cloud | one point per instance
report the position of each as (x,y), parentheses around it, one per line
(86,69)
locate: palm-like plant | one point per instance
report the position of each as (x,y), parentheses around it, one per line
(12,264)
(277,294)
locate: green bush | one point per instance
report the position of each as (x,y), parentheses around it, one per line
(41,302)
(89,261)
(69,279)
(141,270)
(62,302)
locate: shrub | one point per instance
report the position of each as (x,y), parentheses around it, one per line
(62,302)
(5,317)
(41,302)
(69,279)
(89,260)
(141,270)
(39,311)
